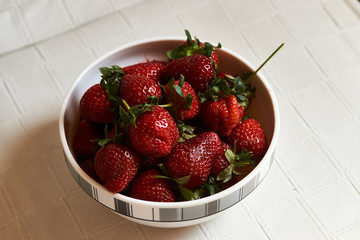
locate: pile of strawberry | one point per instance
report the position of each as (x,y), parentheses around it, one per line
(169,131)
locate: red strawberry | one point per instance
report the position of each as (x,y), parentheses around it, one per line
(193,158)
(155,133)
(148,162)
(224,75)
(88,167)
(220,162)
(221,116)
(191,47)
(118,136)
(227,163)
(199,49)
(116,165)
(149,69)
(150,188)
(249,135)
(136,89)
(95,105)
(197,69)
(180,102)
(83,143)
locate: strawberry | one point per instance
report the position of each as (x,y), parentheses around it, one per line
(147,186)
(221,116)
(83,143)
(220,162)
(227,77)
(193,158)
(150,69)
(154,133)
(149,162)
(183,99)
(136,89)
(88,167)
(116,165)
(197,69)
(229,163)
(224,75)
(95,105)
(191,47)
(116,133)
(249,135)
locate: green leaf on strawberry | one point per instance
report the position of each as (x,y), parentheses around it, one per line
(236,160)
(185,131)
(208,188)
(192,47)
(110,82)
(186,193)
(129,114)
(219,88)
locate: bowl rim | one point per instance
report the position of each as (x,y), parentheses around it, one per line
(66,149)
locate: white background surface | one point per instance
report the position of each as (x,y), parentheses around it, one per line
(311,192)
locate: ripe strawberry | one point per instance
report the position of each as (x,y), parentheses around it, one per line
(95,105)
(229,163)
(183,98)
(220,162)
(224,75)
(193,158)
(197,69)
(116,165)
(112,133)
(149,162)
(150,188)
(88,167)
(154,134)
(150,69)
(136,89)
(249,135)
(221,116)
(83,143)
(191,47)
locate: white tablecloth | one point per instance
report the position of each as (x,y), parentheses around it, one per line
(312,190)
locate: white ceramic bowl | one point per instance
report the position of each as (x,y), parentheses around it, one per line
(263,108)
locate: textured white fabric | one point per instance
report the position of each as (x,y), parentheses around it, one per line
(311,192)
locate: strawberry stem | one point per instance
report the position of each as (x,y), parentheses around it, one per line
(170,104)
(263,64)
(125,104)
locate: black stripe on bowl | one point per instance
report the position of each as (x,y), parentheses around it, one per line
(212,207)
(122,207)
(83,184)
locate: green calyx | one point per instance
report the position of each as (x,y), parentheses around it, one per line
(185,131)
(220,87)
(178,94)
(241,159)
(178,183)
(118,137)
(208,188)
(128,115)
(192,47)
(110,80)
(177,101)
